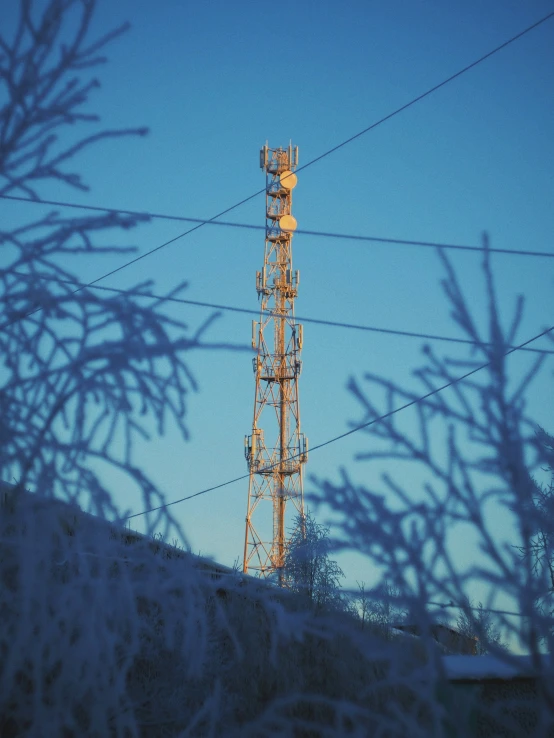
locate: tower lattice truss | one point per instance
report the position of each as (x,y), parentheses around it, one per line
(277,450)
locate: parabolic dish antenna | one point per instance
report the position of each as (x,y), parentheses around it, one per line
(287,223)
(288,180)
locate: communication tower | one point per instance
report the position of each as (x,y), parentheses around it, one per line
(276,450)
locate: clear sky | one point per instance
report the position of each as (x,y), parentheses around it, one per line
(213,81)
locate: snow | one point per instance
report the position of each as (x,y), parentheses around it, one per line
(460,667)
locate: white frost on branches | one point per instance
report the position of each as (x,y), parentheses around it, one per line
(308,569)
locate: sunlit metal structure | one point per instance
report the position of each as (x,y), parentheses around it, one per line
(276,450)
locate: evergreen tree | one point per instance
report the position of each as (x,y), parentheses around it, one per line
(308,569)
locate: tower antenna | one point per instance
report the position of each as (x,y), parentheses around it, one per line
(277,450)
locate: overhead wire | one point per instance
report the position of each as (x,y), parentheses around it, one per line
(250,311)
(356,429)
(298,231)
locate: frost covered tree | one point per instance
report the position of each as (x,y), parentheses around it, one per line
(540,551)
(84,371)
(380,607)
(309,570)
(466,433)
(474,621)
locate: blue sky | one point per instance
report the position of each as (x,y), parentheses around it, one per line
(213,81)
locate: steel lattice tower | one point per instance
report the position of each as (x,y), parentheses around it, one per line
(276,450)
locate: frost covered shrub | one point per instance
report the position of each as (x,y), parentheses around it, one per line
(100,635)
(108,633)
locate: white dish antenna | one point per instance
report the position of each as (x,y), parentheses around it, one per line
(288,180)
(288,223)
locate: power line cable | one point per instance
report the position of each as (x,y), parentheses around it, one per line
(385,416)
(374,125)
(299,231)
(249,311)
